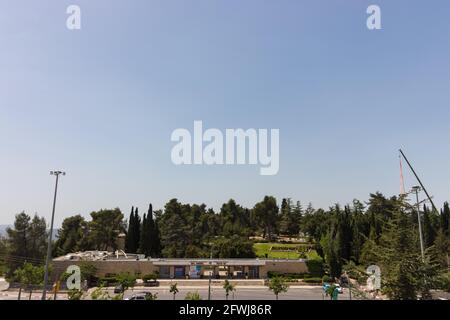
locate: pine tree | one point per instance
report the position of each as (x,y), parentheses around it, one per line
(429,233)
(404,274)
(290,217)
(442,249)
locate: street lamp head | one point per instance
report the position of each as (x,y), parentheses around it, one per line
(57,173)
(416,188)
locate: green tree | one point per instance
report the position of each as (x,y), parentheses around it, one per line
(405,275)
(233,247)
(266,214)
(29,276)
(26,241)
(429,229)
(105,227)
(289,218)
(149,235)
(173,289)
(72,236)
(174,235)
(126,280)
(445,219)
(133,232)
(228,287)
(88,272)
(277,285)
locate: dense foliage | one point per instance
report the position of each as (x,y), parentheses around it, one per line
(382,231)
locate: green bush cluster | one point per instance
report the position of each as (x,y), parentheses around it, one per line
(149,277)
(315,267)
(313,280)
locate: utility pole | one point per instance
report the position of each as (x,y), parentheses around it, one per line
(416,189)
(49,245)
(210,271)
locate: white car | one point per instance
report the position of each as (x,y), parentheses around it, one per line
(140,296)
(339,289)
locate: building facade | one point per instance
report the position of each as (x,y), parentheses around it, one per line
(112,264)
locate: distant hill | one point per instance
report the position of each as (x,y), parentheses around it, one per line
(3,228)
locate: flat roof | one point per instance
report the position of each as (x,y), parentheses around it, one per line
(109,257)
(208,262)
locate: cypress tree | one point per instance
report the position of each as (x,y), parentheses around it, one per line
(151,232)
(157,241)
(137,231)
(445,219)
(129,239)
(142,243)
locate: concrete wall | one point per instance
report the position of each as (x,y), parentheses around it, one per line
(110,267)
(146,267)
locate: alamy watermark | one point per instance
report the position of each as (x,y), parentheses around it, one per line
(374,279)
(74,279)
(73,21)
(236,146)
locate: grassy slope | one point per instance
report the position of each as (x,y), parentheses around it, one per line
(262,248)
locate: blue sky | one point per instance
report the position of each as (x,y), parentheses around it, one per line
(102,102)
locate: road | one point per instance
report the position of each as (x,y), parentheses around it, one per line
(241,293)
(217,293)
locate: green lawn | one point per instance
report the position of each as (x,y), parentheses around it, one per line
(262,248)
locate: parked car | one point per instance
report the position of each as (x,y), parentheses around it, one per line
(138,296)
(119,289)
(152,283)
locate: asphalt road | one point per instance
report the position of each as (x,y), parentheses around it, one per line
(241,293)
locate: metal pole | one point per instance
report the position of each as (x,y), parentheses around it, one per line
(49,245)
(209,281)
(420,224)
(420,182)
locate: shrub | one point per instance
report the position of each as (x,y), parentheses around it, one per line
(99,294)
(75,294)
(315,280)
(148,277)
(127,280)
(315,267)
(326,278)
(150,296)
(192,296)
(118,297)
(107,281)
(287,276)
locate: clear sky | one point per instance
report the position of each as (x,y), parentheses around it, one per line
(102,102)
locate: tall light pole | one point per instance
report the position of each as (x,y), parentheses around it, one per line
(49,245)
(416,189)
(209,280)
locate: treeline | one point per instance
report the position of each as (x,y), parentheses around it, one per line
(382,231)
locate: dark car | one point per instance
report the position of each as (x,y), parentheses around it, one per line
(152,283)
(119,289)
